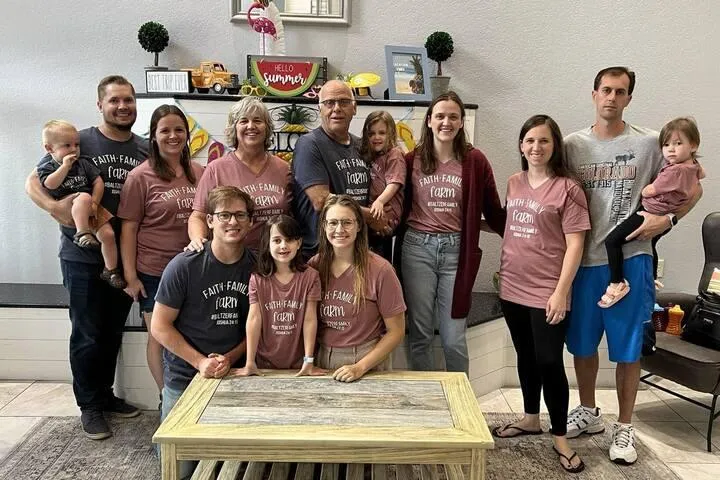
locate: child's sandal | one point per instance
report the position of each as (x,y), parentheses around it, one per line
(85,239)
(614,295)
(114,278)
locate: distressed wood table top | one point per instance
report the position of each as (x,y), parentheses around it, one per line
(386,417)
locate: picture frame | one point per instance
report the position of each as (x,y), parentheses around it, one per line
(404,65)
(168,81)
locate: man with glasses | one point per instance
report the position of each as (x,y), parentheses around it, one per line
(327,160)
(202,301)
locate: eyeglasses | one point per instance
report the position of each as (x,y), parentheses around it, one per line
(343,102)
(258,91)
(225,217)
(345,224)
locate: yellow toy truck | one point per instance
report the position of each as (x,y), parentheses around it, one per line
(214,75)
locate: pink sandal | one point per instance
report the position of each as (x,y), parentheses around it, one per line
(614,295)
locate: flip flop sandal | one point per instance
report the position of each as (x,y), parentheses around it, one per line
(86,239)
(613,295)
(570,469)
(114,278)
(497,431)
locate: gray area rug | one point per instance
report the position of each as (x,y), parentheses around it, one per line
(56,449)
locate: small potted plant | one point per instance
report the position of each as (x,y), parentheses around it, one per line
(154,37)
(439,46)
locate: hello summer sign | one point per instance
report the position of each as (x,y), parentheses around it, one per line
(286,76)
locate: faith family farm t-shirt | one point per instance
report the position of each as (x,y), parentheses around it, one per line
(161,209)
(212,298)
(282,311)
(534,245)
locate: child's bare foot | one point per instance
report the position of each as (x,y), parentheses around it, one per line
(658,285)
(614,293)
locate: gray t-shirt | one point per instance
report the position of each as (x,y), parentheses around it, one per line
(212,299)
(613,173)
(79,178)
(114,160)
(320,160)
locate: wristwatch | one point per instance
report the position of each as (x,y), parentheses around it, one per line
(308,359)
(673,219)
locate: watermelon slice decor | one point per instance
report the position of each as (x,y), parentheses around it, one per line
(286,76)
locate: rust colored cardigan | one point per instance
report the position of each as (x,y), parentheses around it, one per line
(479,197)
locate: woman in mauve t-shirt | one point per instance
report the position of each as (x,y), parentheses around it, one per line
(362,312)
(547,217)
(155,204)
(250,167)
(450,186)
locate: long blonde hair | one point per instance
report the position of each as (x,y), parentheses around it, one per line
(361,250)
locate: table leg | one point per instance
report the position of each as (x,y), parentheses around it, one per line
(477,467)
(169,463)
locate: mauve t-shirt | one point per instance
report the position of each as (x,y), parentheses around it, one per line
(342,324)
(386,169)
(672,187)
(437,198)
(269,189)
(161,209)
(533,246)
(282,310)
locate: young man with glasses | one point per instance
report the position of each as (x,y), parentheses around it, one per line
(202,302)
(328,160)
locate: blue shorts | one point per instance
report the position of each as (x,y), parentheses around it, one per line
(623,322)
(151,283)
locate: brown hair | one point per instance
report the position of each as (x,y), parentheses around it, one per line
(685,125)
(157,162)
(288,228)
(558,164)
(112,79)
(226,194)
(361,251)
(242,109)
(51,129)
(426,149)
(366,150)
(615,72)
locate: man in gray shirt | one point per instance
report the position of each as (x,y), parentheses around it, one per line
(615,160)
(97,311)
(327,160)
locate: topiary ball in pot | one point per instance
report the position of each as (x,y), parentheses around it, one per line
(153,37)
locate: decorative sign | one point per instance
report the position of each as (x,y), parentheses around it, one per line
(287,76)
(167,81)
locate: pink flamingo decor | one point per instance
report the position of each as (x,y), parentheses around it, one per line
(262,25)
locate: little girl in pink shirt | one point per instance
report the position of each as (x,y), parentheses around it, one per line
(671,190)
(284,293)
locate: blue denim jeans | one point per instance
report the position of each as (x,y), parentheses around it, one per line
(429,266)
(170,397)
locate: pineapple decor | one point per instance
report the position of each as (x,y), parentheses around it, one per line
(417,84)
(295,119)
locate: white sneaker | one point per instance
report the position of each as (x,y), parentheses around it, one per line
(584,420)
(622,449)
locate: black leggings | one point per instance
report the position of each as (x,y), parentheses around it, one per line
(539,348)
(615,241)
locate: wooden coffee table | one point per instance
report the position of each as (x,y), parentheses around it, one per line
(385,418)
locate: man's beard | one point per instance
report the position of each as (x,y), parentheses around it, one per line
(124,127)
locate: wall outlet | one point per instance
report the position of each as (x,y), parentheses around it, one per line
(661,267)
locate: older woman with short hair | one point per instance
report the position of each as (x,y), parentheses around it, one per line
(250,167)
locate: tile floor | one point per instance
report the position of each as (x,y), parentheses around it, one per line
(673,428)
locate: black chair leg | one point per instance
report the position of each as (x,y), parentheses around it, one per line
(710,423)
